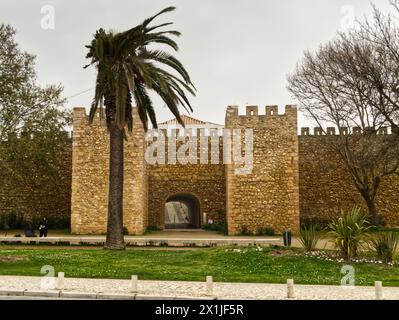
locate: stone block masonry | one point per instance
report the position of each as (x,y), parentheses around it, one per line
(293,177)
(268,197)
(205,182)
(90,168)
(31,201)
(325,186)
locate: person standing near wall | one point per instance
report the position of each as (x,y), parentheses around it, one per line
(43,227)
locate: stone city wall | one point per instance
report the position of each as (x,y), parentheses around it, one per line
(29,202)
(326,187)
(292,177)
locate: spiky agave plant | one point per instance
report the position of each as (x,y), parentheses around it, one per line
(309,237)
(385,245)
(348,231)
(127,68)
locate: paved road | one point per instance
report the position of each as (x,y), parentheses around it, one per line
(149,288)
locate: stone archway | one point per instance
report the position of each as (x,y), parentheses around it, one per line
(182,211)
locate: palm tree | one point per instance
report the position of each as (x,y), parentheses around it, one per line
(127,68)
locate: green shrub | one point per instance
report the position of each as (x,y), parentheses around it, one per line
(222,228)
(385,245)
(152,228)
(221,214)
(316,222)
(244,231)
(61,222)
(308,237)
(265,231)
(348,231)
(11,220)
(383,229)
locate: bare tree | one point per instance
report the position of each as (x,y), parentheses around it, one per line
(381,69)
(331,87)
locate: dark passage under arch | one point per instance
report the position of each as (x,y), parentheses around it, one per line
(182,211)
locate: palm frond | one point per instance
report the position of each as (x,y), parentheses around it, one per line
(147,21)
(167,59)
(158,26)
(125,67)
(150,39)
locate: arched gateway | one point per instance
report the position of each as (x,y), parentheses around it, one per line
(182,211)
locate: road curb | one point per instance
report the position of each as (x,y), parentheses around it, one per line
(115,296)
(78,295)
(94,295)
(12,292)
(42,293)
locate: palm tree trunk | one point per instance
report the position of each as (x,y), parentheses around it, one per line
(114,238)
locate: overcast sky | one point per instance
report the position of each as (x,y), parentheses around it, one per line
(237,52)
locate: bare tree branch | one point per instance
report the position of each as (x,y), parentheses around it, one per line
(353,82)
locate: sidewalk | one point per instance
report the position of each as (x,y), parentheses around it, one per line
(198,238)
(183,238)
(120,289)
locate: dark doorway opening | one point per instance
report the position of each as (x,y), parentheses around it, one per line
(182,211)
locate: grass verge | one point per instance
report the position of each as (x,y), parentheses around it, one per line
(224,264)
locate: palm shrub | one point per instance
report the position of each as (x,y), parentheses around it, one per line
(385,245)
(348,231)
(308,237)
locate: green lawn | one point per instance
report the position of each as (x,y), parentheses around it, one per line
(248,266)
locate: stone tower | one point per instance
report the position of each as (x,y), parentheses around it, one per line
(90,168)
(268,197)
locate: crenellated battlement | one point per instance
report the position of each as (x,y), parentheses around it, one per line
(333,131)
(81,118)
(186,132)
(253,117)
(79,112)
(253,111)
